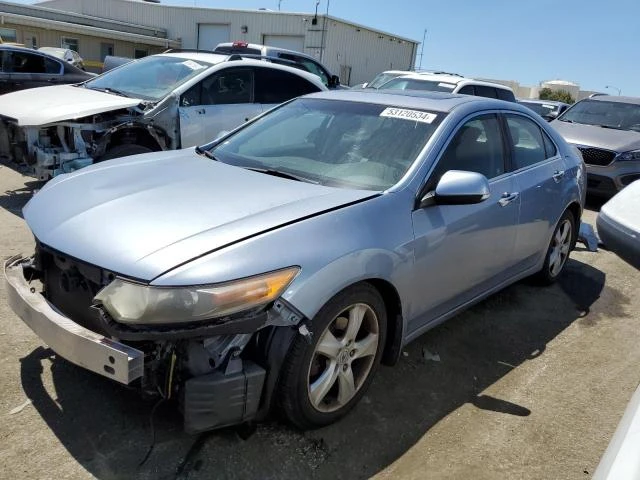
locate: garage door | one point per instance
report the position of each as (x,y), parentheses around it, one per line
(211,34)
(290,42)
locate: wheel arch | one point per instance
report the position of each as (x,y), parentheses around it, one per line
(134,135)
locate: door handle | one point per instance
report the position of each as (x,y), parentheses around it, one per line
(201,111)
(557,175)
(507,198)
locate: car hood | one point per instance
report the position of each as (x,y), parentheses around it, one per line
(59,102)
(594,136)
(142,216)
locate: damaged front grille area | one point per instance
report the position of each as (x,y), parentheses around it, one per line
(70,286)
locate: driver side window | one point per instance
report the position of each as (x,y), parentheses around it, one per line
(230,86)
(477,146)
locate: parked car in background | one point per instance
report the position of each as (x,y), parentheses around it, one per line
(23,68)
(111,61)
(281,263)
(383,78)
(283,56)
(547,109)
(619,224)
(606,129)
(450,83)
(161,102)
(65,54)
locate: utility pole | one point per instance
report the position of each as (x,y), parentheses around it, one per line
(424,36)
(279,2)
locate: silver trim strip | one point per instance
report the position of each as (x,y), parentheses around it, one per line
(75,343)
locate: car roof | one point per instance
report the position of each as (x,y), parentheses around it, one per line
(424,100)
(545,102)
(217,59)
(612,98)
(450,78)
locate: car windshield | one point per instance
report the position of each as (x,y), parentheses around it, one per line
(336,143)
(618,115)
(541,109)
(383,78)
(415,84)
(150,78)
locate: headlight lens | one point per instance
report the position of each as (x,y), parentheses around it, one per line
(633,155)
(128,302)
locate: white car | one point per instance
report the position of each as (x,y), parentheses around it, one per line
(450,83)
(66,54)
(161,102)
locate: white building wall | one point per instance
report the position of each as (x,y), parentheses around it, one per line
(365,50)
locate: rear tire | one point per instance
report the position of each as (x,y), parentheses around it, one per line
(125,150)
(322,381)
(562,242)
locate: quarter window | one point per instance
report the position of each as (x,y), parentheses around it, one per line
(467,90)
(476,147)
(527,141)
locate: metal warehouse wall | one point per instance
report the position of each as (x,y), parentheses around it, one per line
(354,52)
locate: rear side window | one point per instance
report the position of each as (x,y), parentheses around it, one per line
(504,94)
(529,144)
(484,91)
(276,86)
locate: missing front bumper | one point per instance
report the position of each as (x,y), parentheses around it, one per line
(71,341)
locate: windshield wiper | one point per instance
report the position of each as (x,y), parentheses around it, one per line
(110,90)
(281,174)
(206,153)
(612,127)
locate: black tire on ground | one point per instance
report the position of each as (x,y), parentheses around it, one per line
(124,150)
(294,391)
(547,275)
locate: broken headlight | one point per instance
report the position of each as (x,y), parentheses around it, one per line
(129,302)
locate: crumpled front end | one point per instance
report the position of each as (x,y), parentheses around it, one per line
(216,370)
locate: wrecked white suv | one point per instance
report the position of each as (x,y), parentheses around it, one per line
(162,102)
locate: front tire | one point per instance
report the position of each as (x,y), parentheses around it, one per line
(124,150)
(562,242)
(322,380)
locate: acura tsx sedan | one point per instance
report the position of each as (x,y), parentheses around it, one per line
(276,267)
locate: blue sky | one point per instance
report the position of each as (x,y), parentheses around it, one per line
(593,44)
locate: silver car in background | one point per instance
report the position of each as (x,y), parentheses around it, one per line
(606,129)
(282,263)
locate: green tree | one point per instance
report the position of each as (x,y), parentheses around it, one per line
(557,95)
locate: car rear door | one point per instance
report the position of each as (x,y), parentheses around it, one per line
(220,102)
(462,251)
(539,173)
(4,75)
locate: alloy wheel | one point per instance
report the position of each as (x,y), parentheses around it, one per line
(560,248)
(343,357)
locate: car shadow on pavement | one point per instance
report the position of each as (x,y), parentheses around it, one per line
(14,200)
(107,428)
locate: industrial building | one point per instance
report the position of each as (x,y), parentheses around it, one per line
(135,28)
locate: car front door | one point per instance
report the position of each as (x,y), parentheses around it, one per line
(462,251)
(220,102)
(539,172)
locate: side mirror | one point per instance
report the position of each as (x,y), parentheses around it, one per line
(457,187)
(334,81)
(551,116)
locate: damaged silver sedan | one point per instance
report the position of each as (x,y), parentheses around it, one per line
(162,102)
(282,263)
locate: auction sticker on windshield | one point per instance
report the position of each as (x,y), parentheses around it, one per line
(406,114)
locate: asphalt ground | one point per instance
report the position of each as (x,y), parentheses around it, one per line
(529,384)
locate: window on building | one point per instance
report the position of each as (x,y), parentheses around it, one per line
(70,43)
(8,35)
(140,53)
(106,49)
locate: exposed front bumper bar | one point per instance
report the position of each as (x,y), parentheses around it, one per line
(75,343)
